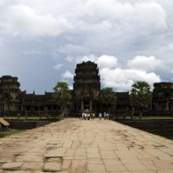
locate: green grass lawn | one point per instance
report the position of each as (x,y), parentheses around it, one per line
(151,117)
(157,117)
(10,132)
(28,118)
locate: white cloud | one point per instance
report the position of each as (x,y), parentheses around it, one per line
(1,43)
(147,12)
(26,21)
(70,87)
(107,61)
(169,47)
(69,59)
(102,61)
(145,63)
(92,58)
(67,74)
(151,13)
(122,79)
(76,49)
(2,1)
(32,52)
(113,75)
(58,66)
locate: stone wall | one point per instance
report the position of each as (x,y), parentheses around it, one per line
(22,125)
(153,126)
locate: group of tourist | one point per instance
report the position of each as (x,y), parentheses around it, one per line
(105,115)
(89,116)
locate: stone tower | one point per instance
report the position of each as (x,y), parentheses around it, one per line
(9,88)
(162,98)
(86,87)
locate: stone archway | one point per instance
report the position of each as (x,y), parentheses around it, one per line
(86,100)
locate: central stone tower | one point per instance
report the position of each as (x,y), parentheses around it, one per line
(86,87)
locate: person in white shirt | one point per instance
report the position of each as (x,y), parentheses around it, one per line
(100,115)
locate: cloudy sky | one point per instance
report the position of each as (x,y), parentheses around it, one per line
(41,41)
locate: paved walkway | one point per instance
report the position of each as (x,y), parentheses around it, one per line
(79,146)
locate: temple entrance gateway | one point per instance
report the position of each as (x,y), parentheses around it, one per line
(86,105)
(86,87)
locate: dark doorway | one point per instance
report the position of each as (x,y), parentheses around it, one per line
(86,105)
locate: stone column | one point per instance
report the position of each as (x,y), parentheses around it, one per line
(171,107)
(45,109)
(90,106)
(82,108)
(166,106)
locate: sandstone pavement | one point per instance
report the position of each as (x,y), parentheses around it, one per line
(85,146)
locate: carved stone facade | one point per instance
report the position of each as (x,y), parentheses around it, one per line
(86,89)
(14,101)
(9,89)
(162,100)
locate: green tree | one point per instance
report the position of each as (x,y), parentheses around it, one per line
(140,95)
(62,95)
(108,97)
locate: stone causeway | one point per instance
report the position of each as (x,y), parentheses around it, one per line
(85,146)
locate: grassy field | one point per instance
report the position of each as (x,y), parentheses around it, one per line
(29,118)
(9,132)
(157,117)
(148,117)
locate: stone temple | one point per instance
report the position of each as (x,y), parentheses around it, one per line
(86,88)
